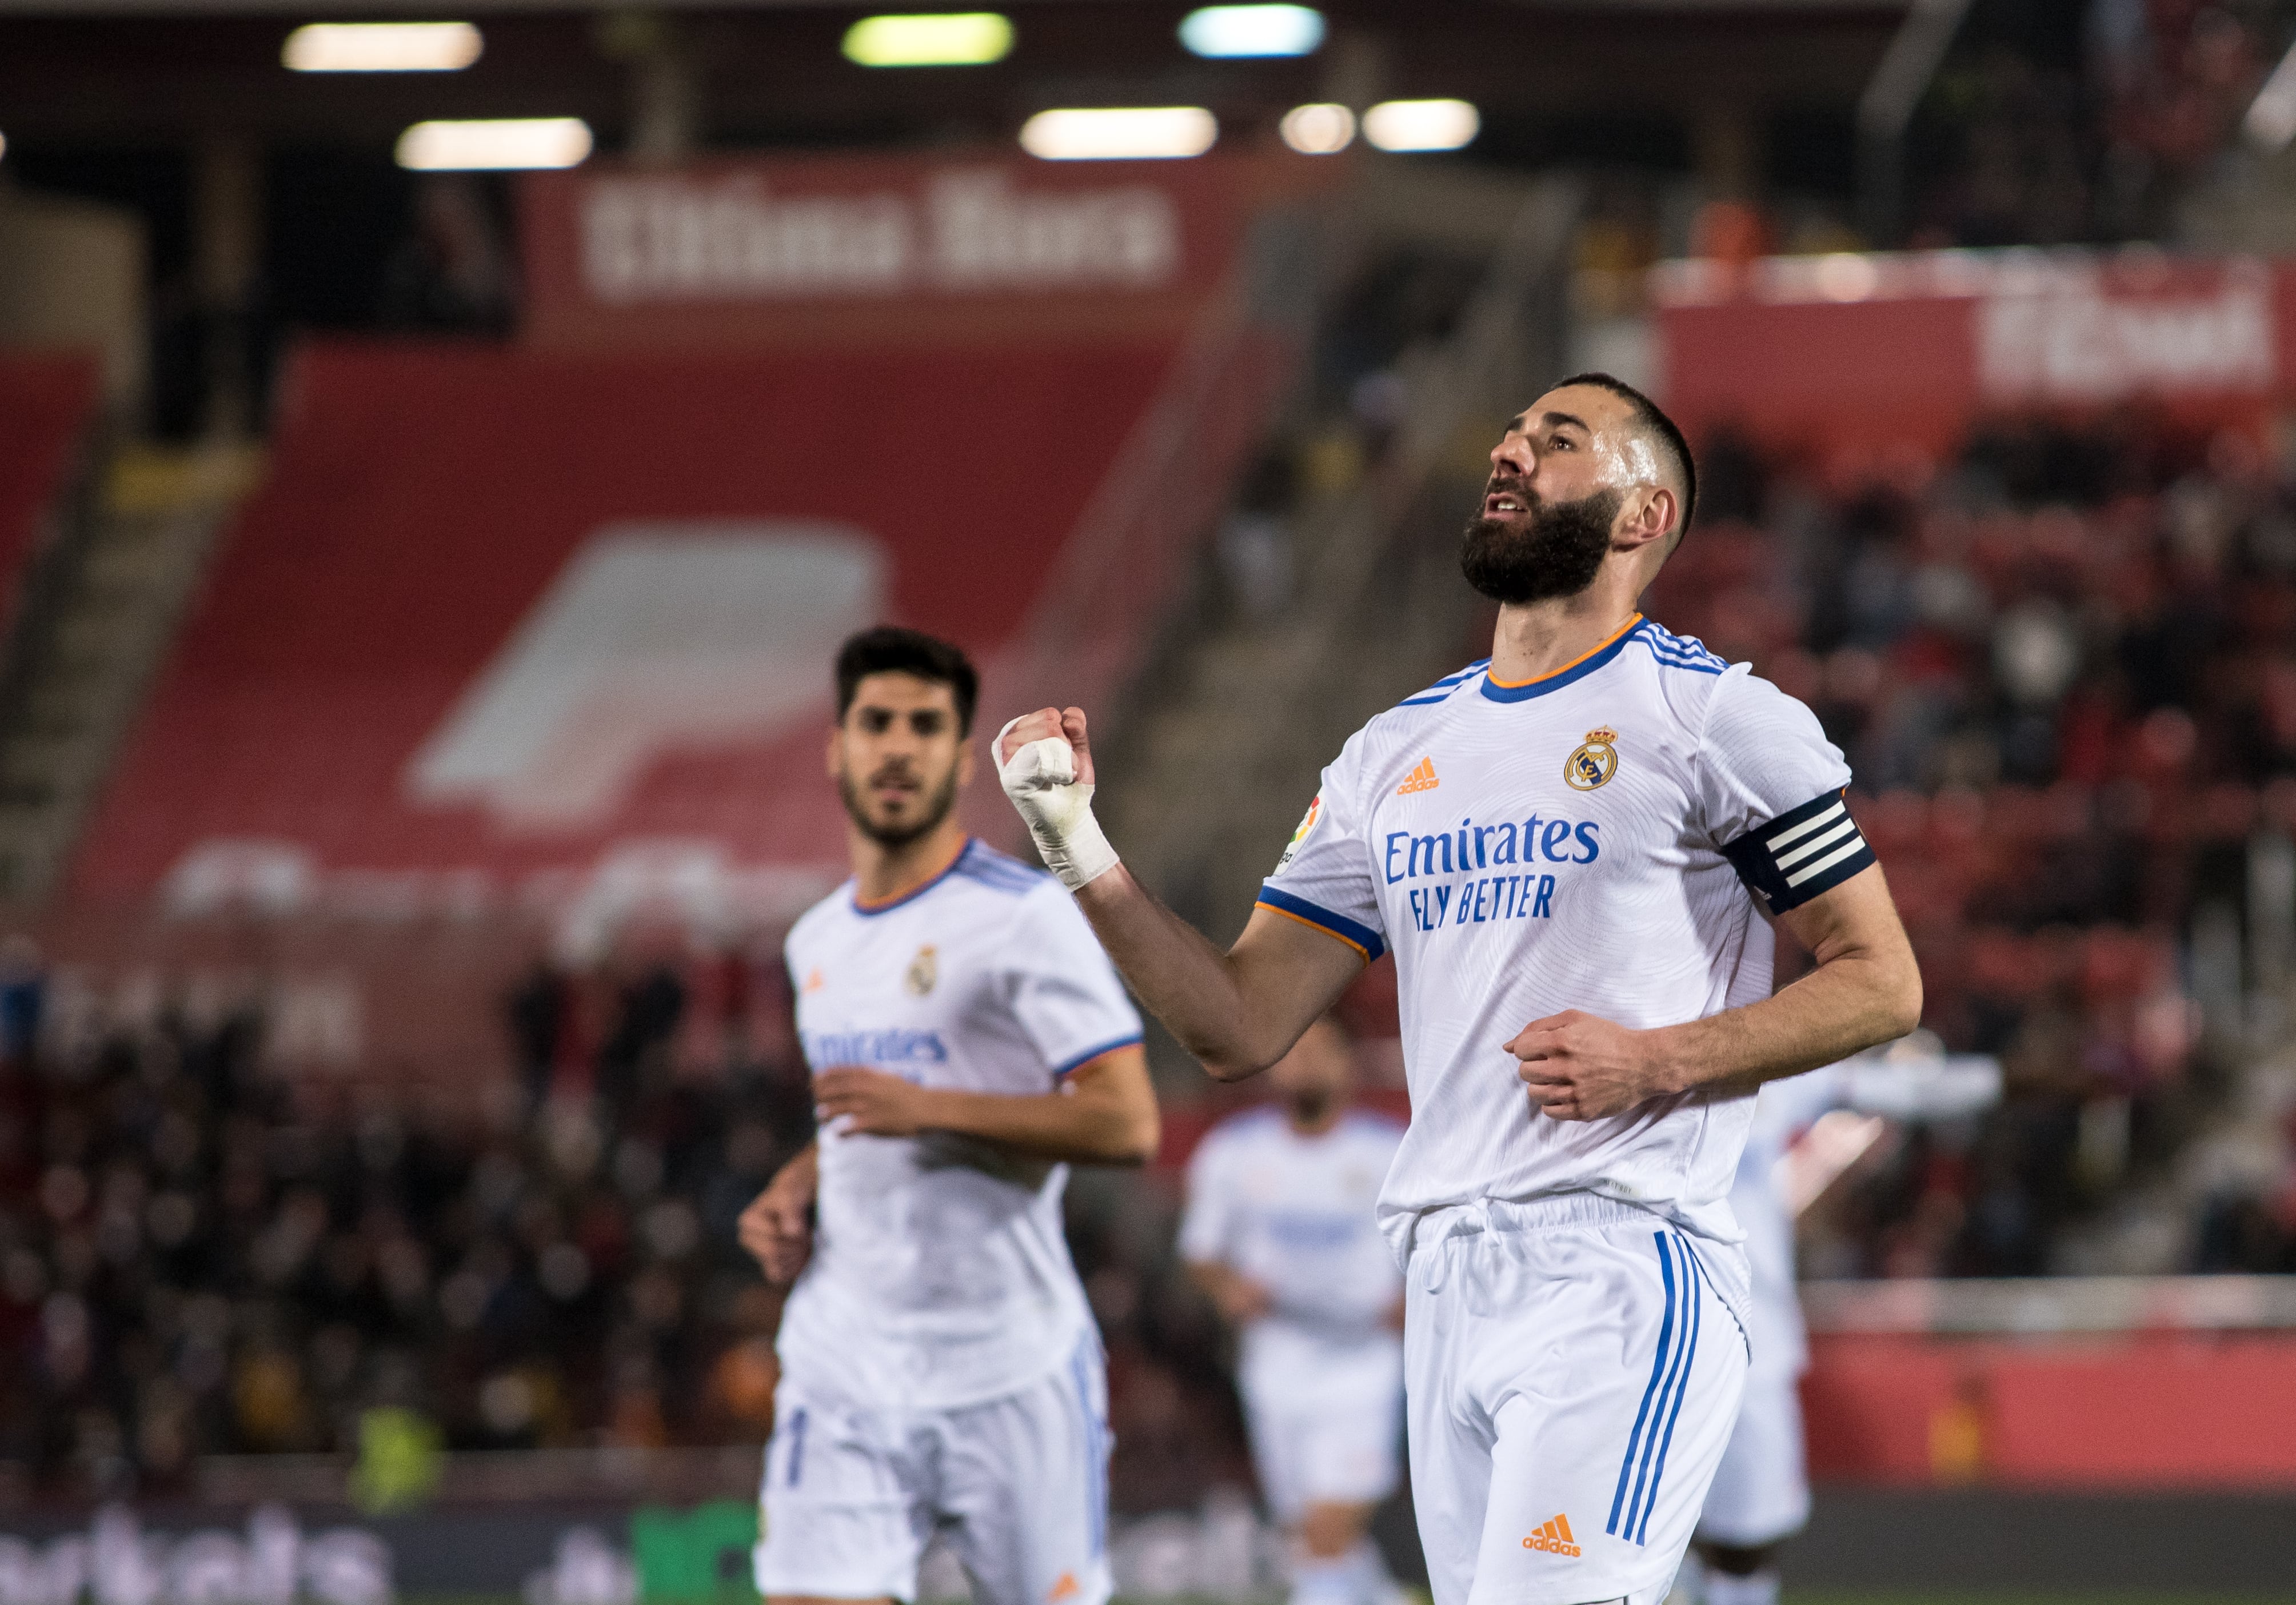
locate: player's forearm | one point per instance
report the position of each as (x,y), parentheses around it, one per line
(1183,980)
(1851,1002)
(802,1173)
(1084,1129)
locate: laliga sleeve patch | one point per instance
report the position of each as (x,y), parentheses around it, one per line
(1802,852)
(1307,824)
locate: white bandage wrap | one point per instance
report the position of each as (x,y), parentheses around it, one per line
(1041,779)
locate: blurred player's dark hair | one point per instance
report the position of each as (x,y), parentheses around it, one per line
(890,649)
(1671,438)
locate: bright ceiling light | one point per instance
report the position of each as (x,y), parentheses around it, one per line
(1253,30)
(382,47)
(1318,129)
(1421,125)
(1119,133)
(497,145)
(942,39)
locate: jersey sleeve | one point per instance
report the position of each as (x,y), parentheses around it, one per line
(1065,993)
(1208,1223)
(1771,786)
(1325,877)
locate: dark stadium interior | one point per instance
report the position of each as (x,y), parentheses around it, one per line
(336,1101)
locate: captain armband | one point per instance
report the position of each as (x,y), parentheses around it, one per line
(1805,851)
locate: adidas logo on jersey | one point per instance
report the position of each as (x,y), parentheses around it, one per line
(1421,779)
(1554,1539)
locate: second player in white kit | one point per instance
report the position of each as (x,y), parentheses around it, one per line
(940,1370)
(1571,849)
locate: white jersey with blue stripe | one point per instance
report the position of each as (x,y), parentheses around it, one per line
(1598,838)
(939,1274)
(1296,1213)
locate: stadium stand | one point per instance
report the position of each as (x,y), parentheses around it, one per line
(487,537)
(47,407)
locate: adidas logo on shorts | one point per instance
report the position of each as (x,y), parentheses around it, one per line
(1554,1539)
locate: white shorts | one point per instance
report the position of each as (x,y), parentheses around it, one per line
(1761,1492)
(1018,1485)
(1333,1443)
(1573,1368)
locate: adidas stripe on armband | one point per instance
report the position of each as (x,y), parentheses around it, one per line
(1805,851)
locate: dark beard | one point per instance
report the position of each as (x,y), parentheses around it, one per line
(895,838)
(1559,555)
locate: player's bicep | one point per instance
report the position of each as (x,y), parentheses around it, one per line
(1858,921)
(1119,1077)
(1856,915)
(1290,970)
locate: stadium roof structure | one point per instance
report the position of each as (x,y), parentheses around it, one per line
(770,72)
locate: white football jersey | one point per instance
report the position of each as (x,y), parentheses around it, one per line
(1596,840)
(939,1274)
(1298,1215)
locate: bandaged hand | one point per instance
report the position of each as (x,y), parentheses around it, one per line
(1047,773)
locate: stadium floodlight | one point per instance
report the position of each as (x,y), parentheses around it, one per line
(381,48)
(2271,120)
(937,39)
(1253,30)
(1421,125)
(1119,133)
(1320,129)
(497,145)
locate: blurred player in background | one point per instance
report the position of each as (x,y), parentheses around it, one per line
(1761,1495)
(968,1038)
(1570,846)
(1281,1231)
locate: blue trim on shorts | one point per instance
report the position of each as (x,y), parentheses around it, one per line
(1681,1392)
(1657,1369)
(1669,1384)
(1096,1454)
(794,1464)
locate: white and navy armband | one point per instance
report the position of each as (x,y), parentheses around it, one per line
(1802,852)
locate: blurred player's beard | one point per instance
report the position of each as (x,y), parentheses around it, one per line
(1554,550)
(937,805)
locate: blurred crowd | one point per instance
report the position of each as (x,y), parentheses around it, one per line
(193,1261)
(2061,668)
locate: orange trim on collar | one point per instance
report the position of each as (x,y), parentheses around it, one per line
(1574,663)
(882,904)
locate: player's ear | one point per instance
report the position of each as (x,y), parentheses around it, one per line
(964,762)
(1649,515)
(834,752)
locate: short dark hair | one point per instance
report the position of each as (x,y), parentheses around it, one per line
(890,649)
(1647,413)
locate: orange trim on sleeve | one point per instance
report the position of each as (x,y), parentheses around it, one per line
(1361,951)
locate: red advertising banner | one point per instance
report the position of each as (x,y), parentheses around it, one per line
(888,249)
(1853,353)
(2136,1410)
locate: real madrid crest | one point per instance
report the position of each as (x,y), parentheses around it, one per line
(924,970)
(1592,763)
